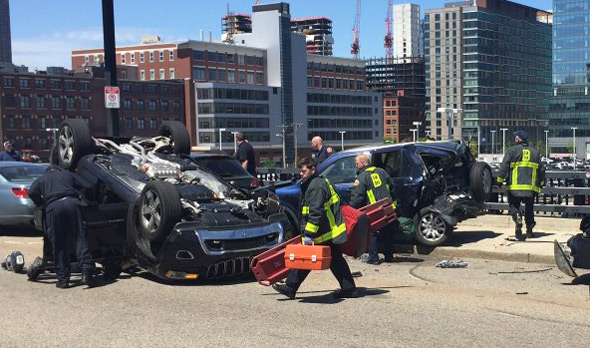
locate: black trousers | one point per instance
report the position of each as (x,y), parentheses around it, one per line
(338,266)
(64,217)
(384,238)
(514,204)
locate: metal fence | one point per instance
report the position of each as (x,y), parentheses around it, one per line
(268,176)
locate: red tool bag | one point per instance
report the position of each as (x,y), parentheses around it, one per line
(269,267)
(357,229)
(311,257)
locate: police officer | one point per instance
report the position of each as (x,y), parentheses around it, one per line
(321,223)
(319,152)
(59,192)
(371,185)
(525,175)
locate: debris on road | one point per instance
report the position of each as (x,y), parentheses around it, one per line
(357,274)
(527,271)
(522,293)
(452,264)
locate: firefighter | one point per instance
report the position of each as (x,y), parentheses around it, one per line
(525,175)
(371,185)
(321,223)
(58,191)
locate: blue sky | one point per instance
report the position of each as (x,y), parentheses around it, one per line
(45,32)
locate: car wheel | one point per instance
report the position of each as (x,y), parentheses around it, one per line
(176,131)
(432,229)
(74,142)
(480,181)
(35,269)
(159,210)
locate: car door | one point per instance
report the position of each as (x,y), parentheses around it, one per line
(406,178)
(341,173)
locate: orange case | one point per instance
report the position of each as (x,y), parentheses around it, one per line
(312,257)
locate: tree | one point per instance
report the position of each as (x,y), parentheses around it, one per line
(570,146)
(389,141)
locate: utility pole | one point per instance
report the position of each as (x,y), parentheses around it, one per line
(110,64)
(574,129)
(342,137)
(504,140)
(493,141)
(220,141)
(546,144)
(295,128)
(283,128)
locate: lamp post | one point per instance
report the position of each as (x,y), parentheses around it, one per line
(235,142)
(546,144)
(450,112)
(478,140)
(574,129)
(414,131)
(503,140)
(220,142)
(295,127)
(342,138)
(493,141)
(282,135)
(417,124)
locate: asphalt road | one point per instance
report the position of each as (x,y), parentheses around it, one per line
(406,304)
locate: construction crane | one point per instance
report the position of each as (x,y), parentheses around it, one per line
(389,36)
(355,48)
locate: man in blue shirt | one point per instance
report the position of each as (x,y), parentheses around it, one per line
(319,152)
(9,153)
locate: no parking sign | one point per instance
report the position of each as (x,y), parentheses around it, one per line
(112,97)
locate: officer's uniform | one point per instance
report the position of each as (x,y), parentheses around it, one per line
(525,175)
(58,191)
(371,185)
(322,221)
(320,155)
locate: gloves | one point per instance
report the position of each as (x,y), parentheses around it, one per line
(307,241)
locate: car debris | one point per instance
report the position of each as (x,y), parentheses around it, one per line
(452,264)
(15,262)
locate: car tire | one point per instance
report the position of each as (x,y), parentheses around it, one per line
(480,181)
(35,269)
(74,142)
(177,132)
(159,210)
(432,229)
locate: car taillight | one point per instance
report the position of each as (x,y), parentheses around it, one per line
(254,182)
(20,192)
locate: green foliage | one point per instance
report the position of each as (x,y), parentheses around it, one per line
(270,163)
(389,141)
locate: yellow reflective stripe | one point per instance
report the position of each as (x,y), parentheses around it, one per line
(394,206)
(371,196)
(500,179)
(524,164)
(330,217)
(370,169)
(525,188)
(311,227)
(334,233)
(515,175)
(534,179)
(305,210)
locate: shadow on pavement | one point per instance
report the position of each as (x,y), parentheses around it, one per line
(465,237)
(247,278)
(584,279)
(327,298)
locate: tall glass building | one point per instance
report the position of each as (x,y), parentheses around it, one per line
(570,105)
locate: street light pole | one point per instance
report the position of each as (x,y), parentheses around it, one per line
(503,140)
(235,142)
(295,127)
(342,137)
(478,140)
(546,144)
(417,124)
(574,129)
(493,141)
(220,142)
(414,131)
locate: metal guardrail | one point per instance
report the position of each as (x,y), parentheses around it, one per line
(269,175)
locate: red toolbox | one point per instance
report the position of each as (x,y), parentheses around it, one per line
(269,267)
(312,257)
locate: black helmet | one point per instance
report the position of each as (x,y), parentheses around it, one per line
(14,262)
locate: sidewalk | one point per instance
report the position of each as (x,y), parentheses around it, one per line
(485,237)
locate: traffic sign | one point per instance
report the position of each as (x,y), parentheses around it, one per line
(112,97)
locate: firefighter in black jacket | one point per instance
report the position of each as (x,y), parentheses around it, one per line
(371,185)
(321,223)
(525,176)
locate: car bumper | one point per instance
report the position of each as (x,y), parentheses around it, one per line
(191,253)
(17,220)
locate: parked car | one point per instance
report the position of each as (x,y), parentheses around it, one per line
(228,168)
(438,184)
(16,209)
(153,206)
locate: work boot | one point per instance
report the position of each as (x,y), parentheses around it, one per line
(529,230)
(285,290)
(88,277)
(349,293)
(373,261)
(518,228)
(62,284)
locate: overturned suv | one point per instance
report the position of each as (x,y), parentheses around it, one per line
(152,206)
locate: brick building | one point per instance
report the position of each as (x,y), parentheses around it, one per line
(31,103)
(400,111)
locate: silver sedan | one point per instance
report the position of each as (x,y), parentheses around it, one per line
(16,208)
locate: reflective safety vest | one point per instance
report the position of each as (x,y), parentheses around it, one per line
(522,170)
(371,185)
(321,218)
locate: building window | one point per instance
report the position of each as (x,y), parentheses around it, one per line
(250,78)
(70,85)
(11,122)
(162,74)
(25,101)
(70,103)
(127,104)
(152,89)
(172,74)
(161,56)
(24,83)
(126,87)
(152,74)
(39,83)
(151,56)
(55,84)
(141,123)
(55,103)
(231,76)
(132,56)
(86,59)
(164,105)
(128,124)
(171,55)
(199,55)
(123,58)
(212,74)
(153,124)
(242,77)
(142,75)
(241,59)
(85,103)
(40,102)
(141,57)
(152,105)
(221,57)
(140,105)
(199,74)
(84,86)
(221,75)
(27,122)
(8,82)
(230,58)
(42,122)
(175,106)
(43,143)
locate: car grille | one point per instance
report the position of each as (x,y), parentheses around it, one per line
(242,244)
(228,268)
